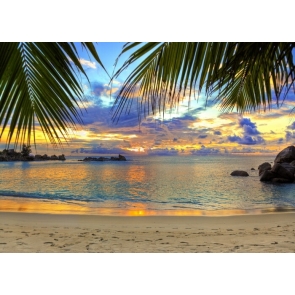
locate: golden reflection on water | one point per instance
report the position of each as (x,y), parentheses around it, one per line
(135,174)
(37,206)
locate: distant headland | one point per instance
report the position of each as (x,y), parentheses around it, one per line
(10,155)
(101,159)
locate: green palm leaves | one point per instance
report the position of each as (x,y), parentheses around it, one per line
(39,84)
(243,75)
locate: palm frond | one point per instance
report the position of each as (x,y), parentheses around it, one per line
(39,84)
(245,76)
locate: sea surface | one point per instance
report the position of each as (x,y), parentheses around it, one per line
(182,185)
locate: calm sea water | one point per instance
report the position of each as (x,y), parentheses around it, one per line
(149,184)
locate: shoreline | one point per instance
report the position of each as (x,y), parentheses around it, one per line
(62,233)
(46,206)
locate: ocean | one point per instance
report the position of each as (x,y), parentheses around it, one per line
(163,185)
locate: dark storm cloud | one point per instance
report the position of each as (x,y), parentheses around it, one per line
(202,136)
(217,132)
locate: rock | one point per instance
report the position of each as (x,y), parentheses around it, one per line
(282,172)
(62,157)
(263,167)
(252,168)
(3,159)
(122,158)
(286,155)
(267,175)
(280,180)
(292,163)
(100,159)
(239,173)
(54,157)
(289,167)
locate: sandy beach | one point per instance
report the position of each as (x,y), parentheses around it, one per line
(47,233)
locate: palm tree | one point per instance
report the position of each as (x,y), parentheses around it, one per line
(40,83)
(245,76)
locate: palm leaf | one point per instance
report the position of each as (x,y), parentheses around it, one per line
(246,76)
(39,85)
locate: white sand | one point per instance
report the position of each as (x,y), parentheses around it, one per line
(29,232)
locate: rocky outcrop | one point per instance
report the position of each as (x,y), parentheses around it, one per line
(101,159)
(287,155)
(267,175)
(283,170)
(239,173)
(11,155)
(263,167)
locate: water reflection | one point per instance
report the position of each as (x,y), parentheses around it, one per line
(139,209)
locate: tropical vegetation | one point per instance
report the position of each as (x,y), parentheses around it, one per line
(39,82)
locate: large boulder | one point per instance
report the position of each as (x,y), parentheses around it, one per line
(54,157)
(267,175)
(286,155)
(239,173)
(289,167)
(263,167)
(282,172)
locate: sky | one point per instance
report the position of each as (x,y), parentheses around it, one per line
(193,128)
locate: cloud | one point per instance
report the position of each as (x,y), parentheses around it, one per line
(247,121)
(249,135)
(246,139)
(203,151)
(202,136)
(162,152)
(290,135)
(280,140)
(99,150)
(292,126)
(87,63)
(217,132)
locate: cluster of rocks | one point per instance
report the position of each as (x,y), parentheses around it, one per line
(11,155)
(101,159)
(282,171)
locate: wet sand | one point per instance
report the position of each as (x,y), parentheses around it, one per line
(47,233)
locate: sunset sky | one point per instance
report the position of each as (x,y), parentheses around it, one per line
(192,129)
